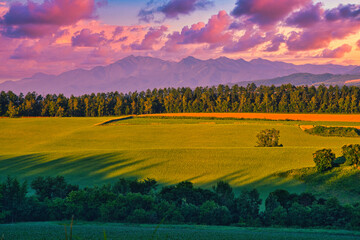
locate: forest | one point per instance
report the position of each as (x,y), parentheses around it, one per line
(134,201)
(223,98)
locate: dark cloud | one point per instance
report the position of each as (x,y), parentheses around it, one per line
(172,8)
(306,17)
(266,12)
(349,11)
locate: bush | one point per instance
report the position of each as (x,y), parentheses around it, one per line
(352,154)
(324,159)
(268,138)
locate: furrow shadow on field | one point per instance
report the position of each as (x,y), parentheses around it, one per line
(87,170)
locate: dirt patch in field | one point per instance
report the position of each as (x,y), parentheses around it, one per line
(306,127)
(269,116)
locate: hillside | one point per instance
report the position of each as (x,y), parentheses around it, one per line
(142,73)
(202,150)
(338,182)
(309,79)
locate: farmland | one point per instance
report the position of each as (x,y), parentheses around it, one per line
(94,231)
(201,150)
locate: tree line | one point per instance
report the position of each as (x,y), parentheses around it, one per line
(134,201)
(223,98)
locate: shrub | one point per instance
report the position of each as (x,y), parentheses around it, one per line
(334,131)
(352,154)
(268,138)
(324,159)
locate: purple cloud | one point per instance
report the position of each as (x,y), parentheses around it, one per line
(333,24)
(306,17)
(85,38)
(275,43)
(349,11)
(173,8)
(266,12)
(249,40)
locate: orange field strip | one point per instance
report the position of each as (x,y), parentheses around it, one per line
(269,116)
(353,81)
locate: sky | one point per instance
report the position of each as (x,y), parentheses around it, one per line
(53,36)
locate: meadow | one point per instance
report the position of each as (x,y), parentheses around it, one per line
(171,150)
(95,231)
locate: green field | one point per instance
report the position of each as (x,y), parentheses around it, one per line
(203,151)
(93,231)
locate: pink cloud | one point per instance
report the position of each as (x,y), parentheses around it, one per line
(336,53)
(24,51)
(249,40)
(358,43)
(35,20)
(214,33)
(172,8)
(85,38)
(151,38)
(266,12)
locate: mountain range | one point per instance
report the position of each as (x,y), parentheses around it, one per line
(136,73)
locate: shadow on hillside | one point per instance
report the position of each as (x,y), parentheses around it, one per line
(85,170)
(240,181)
(96,169)
(114,120)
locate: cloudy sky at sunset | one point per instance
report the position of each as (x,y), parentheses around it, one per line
(53,36)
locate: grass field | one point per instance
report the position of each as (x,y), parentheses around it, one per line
(203,151)
(93,231)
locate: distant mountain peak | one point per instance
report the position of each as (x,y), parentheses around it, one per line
(137,73)
(190,60)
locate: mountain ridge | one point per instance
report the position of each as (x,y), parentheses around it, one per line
(137,73)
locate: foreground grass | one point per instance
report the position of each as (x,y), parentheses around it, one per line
(203,151)
(92,231)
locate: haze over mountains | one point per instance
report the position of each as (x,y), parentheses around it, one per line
(141,73)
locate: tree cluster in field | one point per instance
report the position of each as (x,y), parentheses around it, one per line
(133,201)
(268,138)
(325,159)
(263,99)
(334,131)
